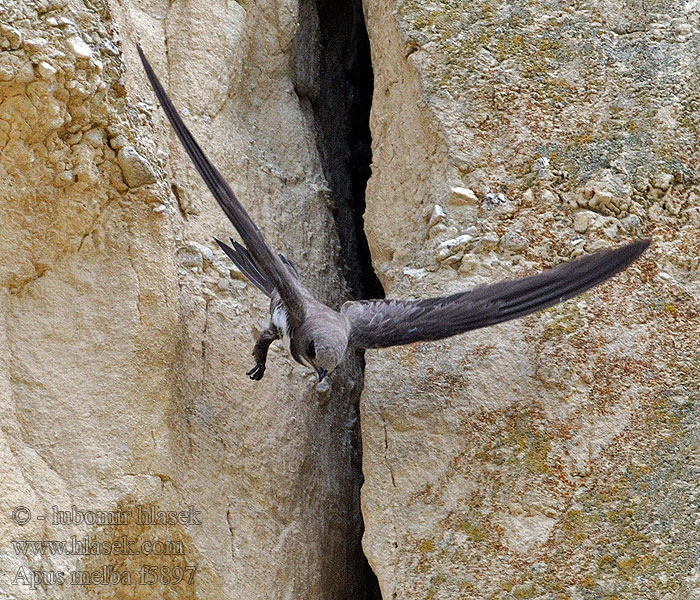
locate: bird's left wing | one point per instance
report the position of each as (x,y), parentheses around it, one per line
(383,323)
(264,258)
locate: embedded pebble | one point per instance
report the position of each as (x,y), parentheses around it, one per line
(461,196)
(45,70)
(110,47)
(631,223)
(204,251)
(683,32)
(494,200)
(11,35)
(63,179)
(606,202)
(486,243)
(541,166)
(415,273)
(673,205)
(230,285)
(437,230)
(78,47)
(65,22)
(117,142)
(513,240)
(436,216)
(452,250)
(452,259)
(602,199)
(619,167)
(541,163)
(663,181)
(607,196)
(25,74)
(96,137)
(582,220)
(9,66)
(548,197)
(74,139)
(136,169)
(498,204)
(189,257)
(194,255)
(225,268)
(35,44)
(469,264)
(611,230)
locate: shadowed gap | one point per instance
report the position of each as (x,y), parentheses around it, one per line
(335,78)
(334,82)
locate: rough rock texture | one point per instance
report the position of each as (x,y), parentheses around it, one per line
(555,456)
(126,334)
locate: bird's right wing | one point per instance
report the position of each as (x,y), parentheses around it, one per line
(383,323)
(265,259)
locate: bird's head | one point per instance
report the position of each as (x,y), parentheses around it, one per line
(323,352)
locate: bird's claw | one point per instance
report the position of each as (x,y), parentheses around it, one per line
(257,372)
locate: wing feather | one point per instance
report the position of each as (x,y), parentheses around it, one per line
(241,258)
(265,260)
(383,323)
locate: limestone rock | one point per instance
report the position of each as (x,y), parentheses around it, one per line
(555,456)
(462,195)
(537,459)
(136,169)
(122,371)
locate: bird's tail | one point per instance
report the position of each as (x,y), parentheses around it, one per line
(240,257)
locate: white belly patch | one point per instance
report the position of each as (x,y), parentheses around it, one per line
(279,320)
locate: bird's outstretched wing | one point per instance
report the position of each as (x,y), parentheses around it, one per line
(383,323)
(268,263)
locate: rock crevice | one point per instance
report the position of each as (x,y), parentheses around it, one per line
(334,82)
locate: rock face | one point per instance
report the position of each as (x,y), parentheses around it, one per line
(126,333)
(555,456)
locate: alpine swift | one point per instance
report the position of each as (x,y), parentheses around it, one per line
(319,337)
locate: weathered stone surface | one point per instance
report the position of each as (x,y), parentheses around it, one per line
(125,334)
(555,456)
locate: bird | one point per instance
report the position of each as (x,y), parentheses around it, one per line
(319,337)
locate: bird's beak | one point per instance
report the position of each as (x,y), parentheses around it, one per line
(321,374)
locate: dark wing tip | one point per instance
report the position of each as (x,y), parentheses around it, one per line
(143,58)
(624,256)
(142,54)
(636,248)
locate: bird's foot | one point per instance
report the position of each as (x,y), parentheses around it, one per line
(257,372)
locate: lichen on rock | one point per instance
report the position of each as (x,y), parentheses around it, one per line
(533,459)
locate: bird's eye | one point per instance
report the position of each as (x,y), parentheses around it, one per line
(311,350)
